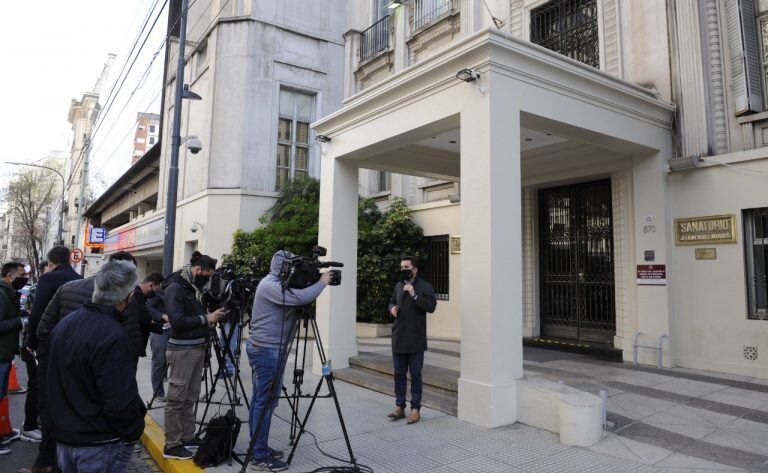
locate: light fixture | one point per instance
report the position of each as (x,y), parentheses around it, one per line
(394,4)
(684,163)
(188,94)
(322,138)
(468,75)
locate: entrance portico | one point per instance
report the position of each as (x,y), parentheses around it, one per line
(400,125)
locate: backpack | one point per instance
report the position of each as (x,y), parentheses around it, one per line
(220,438)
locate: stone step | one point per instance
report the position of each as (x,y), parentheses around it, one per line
(434,376)
(432,397)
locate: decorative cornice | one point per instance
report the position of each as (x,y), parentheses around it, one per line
(383,60)
(516,18)
(513,56)
(449,25)
(716,79)
(612,37)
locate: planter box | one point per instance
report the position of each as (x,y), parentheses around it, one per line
(366,330)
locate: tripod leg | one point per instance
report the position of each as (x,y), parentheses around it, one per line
(157,390)
(306,418)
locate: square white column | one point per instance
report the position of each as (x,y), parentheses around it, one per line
(491,257)
(336,306)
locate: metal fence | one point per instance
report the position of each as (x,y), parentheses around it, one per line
(375,39)
(426,11)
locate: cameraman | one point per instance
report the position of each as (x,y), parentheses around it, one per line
(186,351)
(266,351)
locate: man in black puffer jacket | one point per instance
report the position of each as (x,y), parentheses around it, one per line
(73,295)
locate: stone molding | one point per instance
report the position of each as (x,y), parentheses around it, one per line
(716,78)
(612,37)
(516,17)
(621,267)
(366,70)
(447,24)
(515,57)
(529,262)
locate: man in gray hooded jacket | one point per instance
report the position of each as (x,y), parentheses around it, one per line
(270,330)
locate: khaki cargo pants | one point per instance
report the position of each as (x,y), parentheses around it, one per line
(185,370)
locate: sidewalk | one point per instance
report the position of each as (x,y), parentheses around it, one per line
(676,433)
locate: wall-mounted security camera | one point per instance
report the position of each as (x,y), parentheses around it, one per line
(194,145)
(195,227)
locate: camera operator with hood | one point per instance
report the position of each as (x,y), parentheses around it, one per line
(186,351)
(270,330)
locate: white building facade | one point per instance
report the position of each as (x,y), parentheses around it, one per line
(265,71)
(592,172)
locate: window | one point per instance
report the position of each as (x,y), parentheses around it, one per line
(756,249)
(152,128)
(140,140)
(568,27)
(382,183)
(293,150)
(202,58)
(151,140)
(434,268)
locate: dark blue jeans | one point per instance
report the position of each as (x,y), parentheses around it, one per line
(109,458)
(5,374)
(403,363)
(265,363)
(234,345)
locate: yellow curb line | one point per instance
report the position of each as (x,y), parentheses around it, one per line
(153,439)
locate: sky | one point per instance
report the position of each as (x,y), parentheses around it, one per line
(55,54)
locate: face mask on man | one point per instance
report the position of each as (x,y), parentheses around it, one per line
(405,274)
(150,294)
(200,280)
(19,283)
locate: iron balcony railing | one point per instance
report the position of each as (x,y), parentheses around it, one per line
(427,11)
(375,39)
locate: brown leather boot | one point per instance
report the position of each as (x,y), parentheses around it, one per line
(414,417)
(397,414)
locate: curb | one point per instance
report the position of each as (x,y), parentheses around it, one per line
(153,439)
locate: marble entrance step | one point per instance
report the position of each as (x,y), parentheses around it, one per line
(442,378)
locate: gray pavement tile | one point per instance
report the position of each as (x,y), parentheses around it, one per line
(483,464)
(636,406)
(689,387)
(625,448)
(570,460)
(681,462)
(739,397)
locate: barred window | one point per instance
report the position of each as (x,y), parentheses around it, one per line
(382,181)
(293,150)
(435,267)
(756,252)
(568,27)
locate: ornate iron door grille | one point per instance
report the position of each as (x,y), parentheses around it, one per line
(576,262)
(568,27)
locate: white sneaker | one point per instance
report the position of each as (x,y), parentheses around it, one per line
(4,451)
(35,436)
(14,435)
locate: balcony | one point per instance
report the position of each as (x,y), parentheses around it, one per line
(374,40)
(432,24)
(424,12)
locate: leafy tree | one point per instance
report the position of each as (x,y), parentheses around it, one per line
(291,224)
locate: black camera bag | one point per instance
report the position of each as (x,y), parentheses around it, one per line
(220,438)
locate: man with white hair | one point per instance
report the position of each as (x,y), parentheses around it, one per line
(92,378)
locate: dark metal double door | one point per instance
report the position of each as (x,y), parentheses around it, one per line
(576,263)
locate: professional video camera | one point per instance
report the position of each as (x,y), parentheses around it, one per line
(300,272)
(228,289)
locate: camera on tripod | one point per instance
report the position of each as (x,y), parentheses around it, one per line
(230,290)
(300,272)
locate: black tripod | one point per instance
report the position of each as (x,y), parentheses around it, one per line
(305,318)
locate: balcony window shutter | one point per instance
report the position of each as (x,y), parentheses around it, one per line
(745,61)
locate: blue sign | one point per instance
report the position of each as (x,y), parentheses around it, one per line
(97,235)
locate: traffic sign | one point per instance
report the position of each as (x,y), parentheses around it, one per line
(76,255)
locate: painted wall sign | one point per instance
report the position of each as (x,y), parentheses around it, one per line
(652,274)
(706,253)
(705,230)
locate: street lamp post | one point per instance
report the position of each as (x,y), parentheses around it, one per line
(63,195)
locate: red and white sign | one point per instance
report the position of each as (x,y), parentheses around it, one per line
(76,255)
(652,274)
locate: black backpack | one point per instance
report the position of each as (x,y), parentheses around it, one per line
(220,438)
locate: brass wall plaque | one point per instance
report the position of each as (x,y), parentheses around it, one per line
(705,230)
(706,253)
(455,245)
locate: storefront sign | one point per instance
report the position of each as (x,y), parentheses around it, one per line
(706,253)
(705,230)
(652,274)
(136,237)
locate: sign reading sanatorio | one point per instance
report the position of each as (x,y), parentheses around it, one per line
(705,230)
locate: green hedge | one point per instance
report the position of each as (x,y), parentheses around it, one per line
(291,224)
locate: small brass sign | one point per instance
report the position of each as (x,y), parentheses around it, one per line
(705,230)
(455,245)
(706,253)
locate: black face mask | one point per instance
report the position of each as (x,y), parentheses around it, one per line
(200,280)
(18,283)
(150,294)
(405,274)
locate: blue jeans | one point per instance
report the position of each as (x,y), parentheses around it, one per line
(5,374)
(159,344)
(265,363)
(234,344)
(109,458)
(403,363)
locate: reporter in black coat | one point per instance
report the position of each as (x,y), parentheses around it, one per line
(411,300)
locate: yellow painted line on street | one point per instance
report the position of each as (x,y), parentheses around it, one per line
(153,439)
